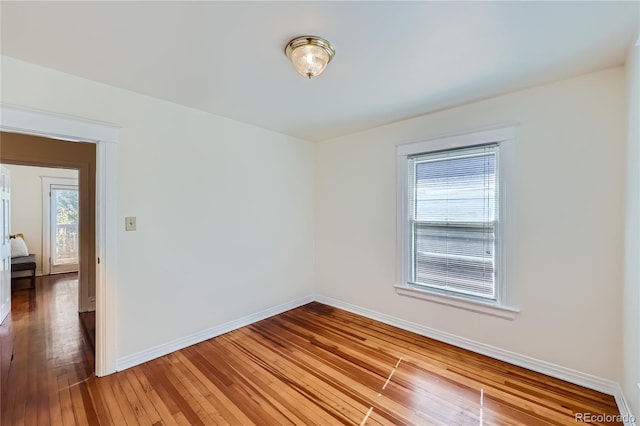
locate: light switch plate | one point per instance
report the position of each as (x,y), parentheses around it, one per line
(130,223)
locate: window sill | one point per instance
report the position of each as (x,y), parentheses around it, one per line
(493,309)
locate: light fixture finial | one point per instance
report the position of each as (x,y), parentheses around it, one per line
(309,54)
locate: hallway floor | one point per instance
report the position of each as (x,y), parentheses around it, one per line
(44,353)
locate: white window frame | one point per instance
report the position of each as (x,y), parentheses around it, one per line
(504,137)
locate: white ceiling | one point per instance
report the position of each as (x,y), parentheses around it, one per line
(394,60)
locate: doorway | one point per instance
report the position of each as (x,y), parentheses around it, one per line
(24,150)
(104,137)
(36,190)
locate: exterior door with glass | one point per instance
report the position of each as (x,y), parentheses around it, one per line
(63,237)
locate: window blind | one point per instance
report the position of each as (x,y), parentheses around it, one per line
(453,200)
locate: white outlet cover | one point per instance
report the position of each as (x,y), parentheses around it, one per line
(130,223)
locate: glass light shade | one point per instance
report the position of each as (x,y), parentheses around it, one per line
(310,54)
(310,60)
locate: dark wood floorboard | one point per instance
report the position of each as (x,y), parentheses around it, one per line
(88,321)
(314,365)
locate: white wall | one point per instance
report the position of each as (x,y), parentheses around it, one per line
(225,213)
(631,290)
(26,204)
(565,265)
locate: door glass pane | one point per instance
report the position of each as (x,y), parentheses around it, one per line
(65,226)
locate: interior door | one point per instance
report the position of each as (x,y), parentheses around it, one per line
(5,243)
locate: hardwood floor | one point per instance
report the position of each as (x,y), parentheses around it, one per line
(43,354)
(314,365)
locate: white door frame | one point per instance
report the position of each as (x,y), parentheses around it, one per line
(21,120)
(5,231)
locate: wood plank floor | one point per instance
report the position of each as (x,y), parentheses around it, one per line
(314,365)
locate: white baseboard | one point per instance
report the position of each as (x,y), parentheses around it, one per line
(200,336)
(625,410)
(557,371)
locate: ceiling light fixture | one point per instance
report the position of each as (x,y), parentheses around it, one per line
(309,54)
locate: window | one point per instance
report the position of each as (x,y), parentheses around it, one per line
(451,220)
(452,204)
